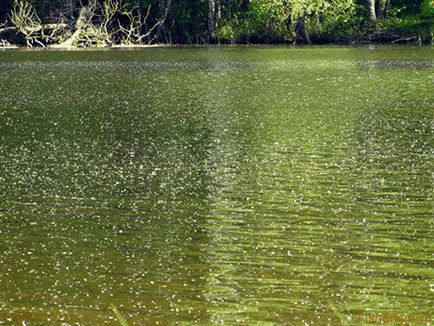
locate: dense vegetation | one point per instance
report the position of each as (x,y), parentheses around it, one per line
(109,22)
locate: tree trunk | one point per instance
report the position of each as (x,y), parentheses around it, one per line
(162,30)
(78,29)
(301,36)
(213,17)
(382,6)
(165,7)
(370,5)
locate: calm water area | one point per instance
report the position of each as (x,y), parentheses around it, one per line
(217,185)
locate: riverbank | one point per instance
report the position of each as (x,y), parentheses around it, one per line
(373,40)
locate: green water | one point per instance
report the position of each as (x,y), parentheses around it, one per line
(232,185)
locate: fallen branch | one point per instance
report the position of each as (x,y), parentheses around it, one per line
(4,43)
(79,24)
(133,33)
(98,24)
(89,33)
(7,30)
(27,22)
(405,40)
(6,34)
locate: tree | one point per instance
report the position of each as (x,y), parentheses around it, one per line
(382,7)
(302,18)
(26,21)
(427,9)
(107,22)
(377,9)
(187,22)
(370,5)
(98,24)
(213,17)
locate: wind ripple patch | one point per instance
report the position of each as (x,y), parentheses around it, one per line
(128,66)
(396,64)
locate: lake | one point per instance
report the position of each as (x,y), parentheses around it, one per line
(217,185)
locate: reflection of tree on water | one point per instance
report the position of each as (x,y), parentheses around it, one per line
(265,225)
(227,221)
(187,173)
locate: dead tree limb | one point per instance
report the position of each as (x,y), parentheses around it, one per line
(93,25)
(96,25)
(7,29)
(27,22)
(132,34)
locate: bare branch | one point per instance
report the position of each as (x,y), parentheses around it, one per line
(132,34)
(96,25)
(24,17)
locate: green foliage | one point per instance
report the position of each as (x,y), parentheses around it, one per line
(329,22)
(342,27)
(259,21)
(410,18)
(263,22)
(274,20)
(427,9)
(186,23)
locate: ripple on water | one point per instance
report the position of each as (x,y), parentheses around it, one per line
(205,192)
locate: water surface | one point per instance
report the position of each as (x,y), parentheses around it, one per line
(229,185)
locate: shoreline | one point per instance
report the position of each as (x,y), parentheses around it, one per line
(152,46)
